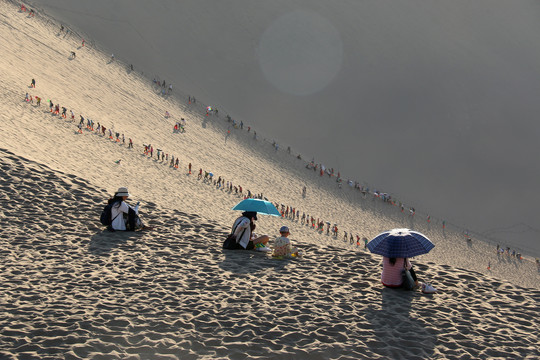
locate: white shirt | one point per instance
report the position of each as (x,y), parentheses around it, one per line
(243,224)
(117,215)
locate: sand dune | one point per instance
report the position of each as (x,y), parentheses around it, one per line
(71,288)
(448,85)
(119,99)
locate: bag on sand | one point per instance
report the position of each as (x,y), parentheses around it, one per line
(408,282)
(230,242)
(105,217)
(132,220)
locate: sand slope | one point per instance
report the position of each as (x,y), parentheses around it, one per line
(70,288)
(447,84)
(111,94)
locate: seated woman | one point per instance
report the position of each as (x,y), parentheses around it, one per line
(244,226)
(392,271)
(124,217)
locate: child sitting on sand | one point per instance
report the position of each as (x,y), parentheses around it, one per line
(282,245)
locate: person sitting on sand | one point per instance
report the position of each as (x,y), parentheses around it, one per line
(282,245)
(123,216)
(392,269)
(243,231)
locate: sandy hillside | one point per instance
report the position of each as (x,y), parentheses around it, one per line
(433,102)
(173,292)
(74,291)
(111,94)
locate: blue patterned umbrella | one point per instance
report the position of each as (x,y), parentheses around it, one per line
(400,243)
(257,205)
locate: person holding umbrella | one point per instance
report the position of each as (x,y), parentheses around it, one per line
(392,271)
(243,226)
(397,246)
(243,230)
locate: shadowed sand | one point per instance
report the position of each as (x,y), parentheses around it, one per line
(70,289)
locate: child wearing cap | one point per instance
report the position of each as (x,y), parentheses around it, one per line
(282,245)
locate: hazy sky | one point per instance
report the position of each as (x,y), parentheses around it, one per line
(432,101)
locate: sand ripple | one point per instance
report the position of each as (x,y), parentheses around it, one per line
(71,290)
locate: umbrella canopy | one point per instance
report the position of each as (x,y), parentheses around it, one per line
(260,206)
(400,243)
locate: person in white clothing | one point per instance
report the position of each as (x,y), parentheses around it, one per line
(243,231)
(123,216)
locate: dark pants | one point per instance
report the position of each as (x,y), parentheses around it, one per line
(132,220)
(250,246)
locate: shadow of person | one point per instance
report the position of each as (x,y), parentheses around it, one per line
(398,334)
(396,301)
(249,262)
(104,241)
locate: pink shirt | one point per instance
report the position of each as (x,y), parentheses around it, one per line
(391,274)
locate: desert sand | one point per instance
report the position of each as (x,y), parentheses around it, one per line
(72,289)
(432,101)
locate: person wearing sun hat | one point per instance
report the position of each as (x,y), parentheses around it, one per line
(282,244)
(124,216)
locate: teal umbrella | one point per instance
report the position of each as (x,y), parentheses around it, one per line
(257,205)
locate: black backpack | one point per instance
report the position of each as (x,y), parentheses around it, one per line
(230,242)
(106,215)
